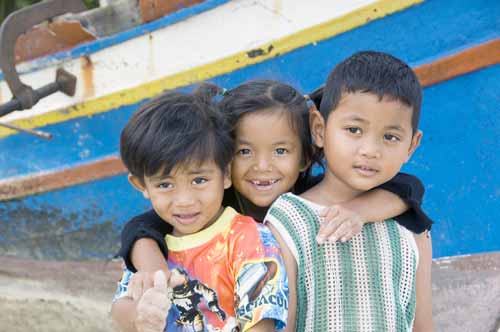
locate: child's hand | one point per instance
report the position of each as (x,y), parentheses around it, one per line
(153,306)
(141,281)
(339,223)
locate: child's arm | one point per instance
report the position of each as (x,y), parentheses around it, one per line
(423,311)
(148,258)
(265,325)
(343,221)
(291,271)
(143,249)
(377,205)
(147,225)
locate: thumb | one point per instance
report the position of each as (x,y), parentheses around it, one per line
(160,281)
(330,211)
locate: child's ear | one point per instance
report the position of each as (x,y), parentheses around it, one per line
(415,142)
(227,177)
(138,185)
(317,125)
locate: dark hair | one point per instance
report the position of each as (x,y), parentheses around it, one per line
(374,72)
(258,95)
(175,128)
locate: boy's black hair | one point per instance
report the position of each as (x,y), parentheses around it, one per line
(259,95)
(374,72)
(175,129)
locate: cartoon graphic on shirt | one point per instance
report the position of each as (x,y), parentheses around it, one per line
(252,280)
(187,297)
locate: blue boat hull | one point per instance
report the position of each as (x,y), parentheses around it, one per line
(458,160)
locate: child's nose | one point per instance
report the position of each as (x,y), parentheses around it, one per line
(370,149)
(184,198)
(262,164)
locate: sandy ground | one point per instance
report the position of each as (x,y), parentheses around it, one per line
(68,296)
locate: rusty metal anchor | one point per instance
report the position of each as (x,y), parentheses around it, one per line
(17,23)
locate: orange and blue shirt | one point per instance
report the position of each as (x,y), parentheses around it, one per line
(234,277)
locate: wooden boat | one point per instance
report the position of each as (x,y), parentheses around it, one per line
(68,197)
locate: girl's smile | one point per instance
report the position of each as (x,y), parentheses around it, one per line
(268,156)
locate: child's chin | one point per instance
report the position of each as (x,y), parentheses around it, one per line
(263,202)
(366,185)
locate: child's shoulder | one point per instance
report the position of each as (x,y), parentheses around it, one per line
(242,224)
(245,228)
(291,202)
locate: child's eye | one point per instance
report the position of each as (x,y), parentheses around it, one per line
(200,180)
(281,151)
(165,185)
(243,152)
(354,130)
(391,138)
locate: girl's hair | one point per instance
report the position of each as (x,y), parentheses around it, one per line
(258,95)
(316,96)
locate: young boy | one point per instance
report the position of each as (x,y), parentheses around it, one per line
(367,127)
(227,272)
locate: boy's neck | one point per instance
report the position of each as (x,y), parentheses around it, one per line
(331,190)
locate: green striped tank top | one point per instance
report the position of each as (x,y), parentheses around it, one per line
(365,284)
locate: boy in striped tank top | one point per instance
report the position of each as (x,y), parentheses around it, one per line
(367,128)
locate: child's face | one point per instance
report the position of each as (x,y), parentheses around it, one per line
(189,198)
(268,156)
(365,141)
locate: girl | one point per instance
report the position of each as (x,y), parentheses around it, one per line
(273,155)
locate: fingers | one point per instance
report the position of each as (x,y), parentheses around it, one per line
(339,224)
(153,307)
(150,320)
(135,287)
(329,225)
(139,283)
(346,231)
(153,300)
(150,317)
(160,281)
(329,212)
(326,230)
(176,279)
(147,283)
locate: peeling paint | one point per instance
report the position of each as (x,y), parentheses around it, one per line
(87,76)
(51,233)
(260,52)
(151,55)
(154,9)
(49,38)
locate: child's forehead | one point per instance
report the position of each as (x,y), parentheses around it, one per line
(367,106)
(190,167)
(264,113)
(369,97)
(269,120)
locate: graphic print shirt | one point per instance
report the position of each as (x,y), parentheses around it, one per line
(234,277)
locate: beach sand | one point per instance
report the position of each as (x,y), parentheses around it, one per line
(42,296)
(56,296)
